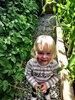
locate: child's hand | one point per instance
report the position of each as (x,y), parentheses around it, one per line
(43,87)
(37,86)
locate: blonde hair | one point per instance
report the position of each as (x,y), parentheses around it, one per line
(42,40)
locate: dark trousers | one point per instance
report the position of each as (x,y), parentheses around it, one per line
(34,92)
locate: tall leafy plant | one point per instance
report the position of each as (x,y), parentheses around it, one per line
(66,20)
(65,17)
(18,19)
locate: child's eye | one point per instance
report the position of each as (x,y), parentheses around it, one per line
(48,53)
(41,53)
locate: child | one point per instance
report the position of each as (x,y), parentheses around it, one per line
(41,69)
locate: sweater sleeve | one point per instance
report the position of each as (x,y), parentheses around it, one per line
(54,78)
(29,75)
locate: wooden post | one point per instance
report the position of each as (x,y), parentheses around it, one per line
(65,86)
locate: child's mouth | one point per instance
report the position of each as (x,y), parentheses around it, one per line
(44,60)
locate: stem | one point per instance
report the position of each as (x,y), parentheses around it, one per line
(19,88)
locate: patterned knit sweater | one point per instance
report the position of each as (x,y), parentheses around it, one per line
(35,73)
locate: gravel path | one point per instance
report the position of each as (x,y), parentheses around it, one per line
(45,26)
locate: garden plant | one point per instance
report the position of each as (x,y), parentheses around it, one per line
(18,19)
(65,17)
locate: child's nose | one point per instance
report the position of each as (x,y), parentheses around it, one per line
(44,55)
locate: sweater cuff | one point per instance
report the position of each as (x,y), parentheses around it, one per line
(34,84)
(48,85)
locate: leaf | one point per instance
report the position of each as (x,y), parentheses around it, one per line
(59,10)
(11,93)
(59,69)
(1,83)
(15,50)
(1,55)
(27,40)
(37,91)
(6,97)
(54,9)
(4,61)
(5,71)
(65,26)
(72,1)
(3,47)
(10,72)
(71,60)
(68,4)
(27,26)
(1,76)
(5,85)
(23,55)
(13,59)
(9,66)
(8,40)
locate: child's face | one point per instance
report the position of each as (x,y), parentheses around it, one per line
(43,56)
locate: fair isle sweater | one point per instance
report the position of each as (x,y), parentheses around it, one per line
(35,73)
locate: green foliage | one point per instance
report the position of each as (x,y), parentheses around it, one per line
(71,66)
(37,91)
(66,20)
(18,19)
(65,17)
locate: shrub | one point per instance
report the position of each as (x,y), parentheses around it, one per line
(18,19)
